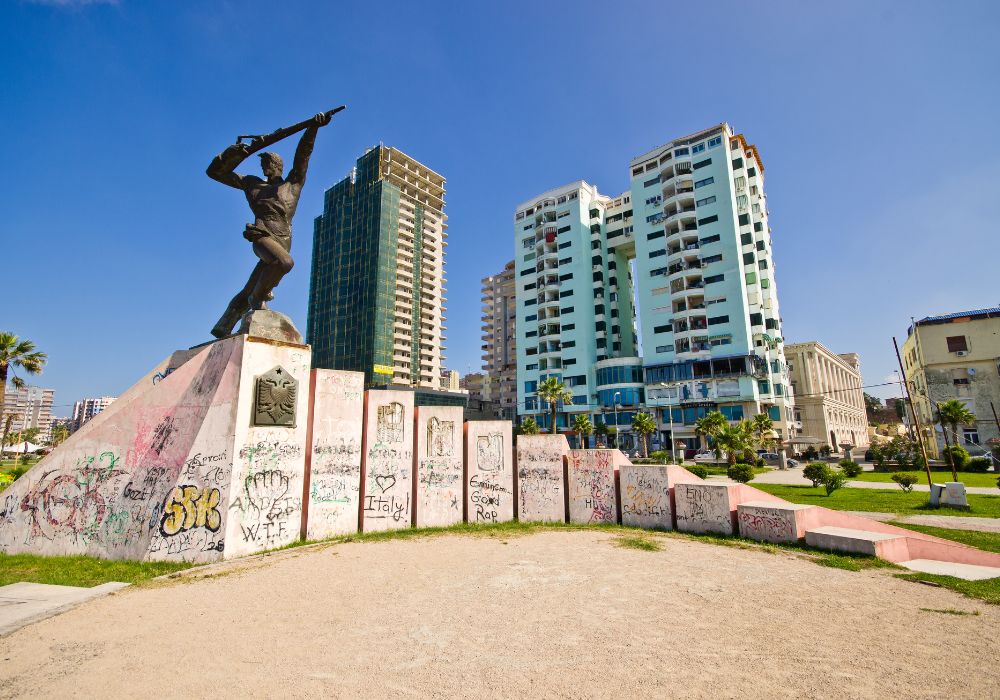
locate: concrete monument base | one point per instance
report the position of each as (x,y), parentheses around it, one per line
(200,460)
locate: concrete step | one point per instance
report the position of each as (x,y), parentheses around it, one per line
(968,572)
(766,521)
(841,539)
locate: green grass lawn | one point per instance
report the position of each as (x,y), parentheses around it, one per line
(880,500)
(988,479)
(80,570)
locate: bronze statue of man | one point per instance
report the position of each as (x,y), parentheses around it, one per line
(273,201)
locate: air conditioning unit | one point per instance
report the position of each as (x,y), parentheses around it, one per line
(962,353)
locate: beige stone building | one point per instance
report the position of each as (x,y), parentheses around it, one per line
(829,399)
(499,339)
(956,356)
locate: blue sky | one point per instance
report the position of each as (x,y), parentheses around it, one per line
(876,122)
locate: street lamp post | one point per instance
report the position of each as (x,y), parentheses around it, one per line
(673,442)
(617,394)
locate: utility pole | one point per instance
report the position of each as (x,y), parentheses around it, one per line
(916,421)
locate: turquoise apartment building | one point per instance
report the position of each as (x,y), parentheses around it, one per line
(662,299)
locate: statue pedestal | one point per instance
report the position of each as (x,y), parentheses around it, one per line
(271,325)
(202,459)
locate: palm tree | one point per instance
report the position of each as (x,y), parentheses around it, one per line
(950,414)
(529,426)
(734,440)
(583,428)
(644,425)
(709,426)
(762,425)
(553,391)
(16,353)
(601,430)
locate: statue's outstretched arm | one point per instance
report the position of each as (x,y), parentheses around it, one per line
(302,153)
(223,166)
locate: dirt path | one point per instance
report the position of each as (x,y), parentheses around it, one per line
(554,614)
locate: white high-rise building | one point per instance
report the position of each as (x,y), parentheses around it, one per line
(30,407)
(499,338)
(85,409)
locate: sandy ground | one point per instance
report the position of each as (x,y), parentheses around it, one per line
(553,614)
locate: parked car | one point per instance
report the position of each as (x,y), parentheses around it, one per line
(792,462)
(705,457)
(769,457)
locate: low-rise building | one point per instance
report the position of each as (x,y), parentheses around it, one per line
(829,399)
(955,356)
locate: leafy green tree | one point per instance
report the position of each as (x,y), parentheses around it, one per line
(816,472)
(710,426)
(950,414)
(833,481)
(554,391)
(59,434)
(644,425)
(529,426)
(582,427)
(15,354)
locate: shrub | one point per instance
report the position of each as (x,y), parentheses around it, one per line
(699,471)
(957,455)
(660,457)
(816,472)
(833,481)
(905,481)
(998,482)
(17,472)
(740,472)
(850,468)
(979,464)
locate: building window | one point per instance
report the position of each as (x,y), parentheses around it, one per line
(708,220)
(714,278)
(762,264)
(531,367)
(970,436)
(711,259)
(658,253)
(709,239)
(530,387)
(748,258)
(568,327)
(698,149)
(567,276)
(565,310)
(531,317)
(737,163)
(566,293)
(664,348)
(956,343)
(702,164)
(713,320)
(732,412)
(661,329)
(758,227)
(706,181)
(746,238)
(705,201)
(744,219)
(649,183)
(751,172)
(714,141)
(565,261)
(654,235)
(565,244)
(569,344)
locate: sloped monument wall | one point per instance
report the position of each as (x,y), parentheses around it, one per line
(437,486)
(334,474)
(175,469)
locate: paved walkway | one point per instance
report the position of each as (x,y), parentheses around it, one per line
(948,522)
(24,603)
